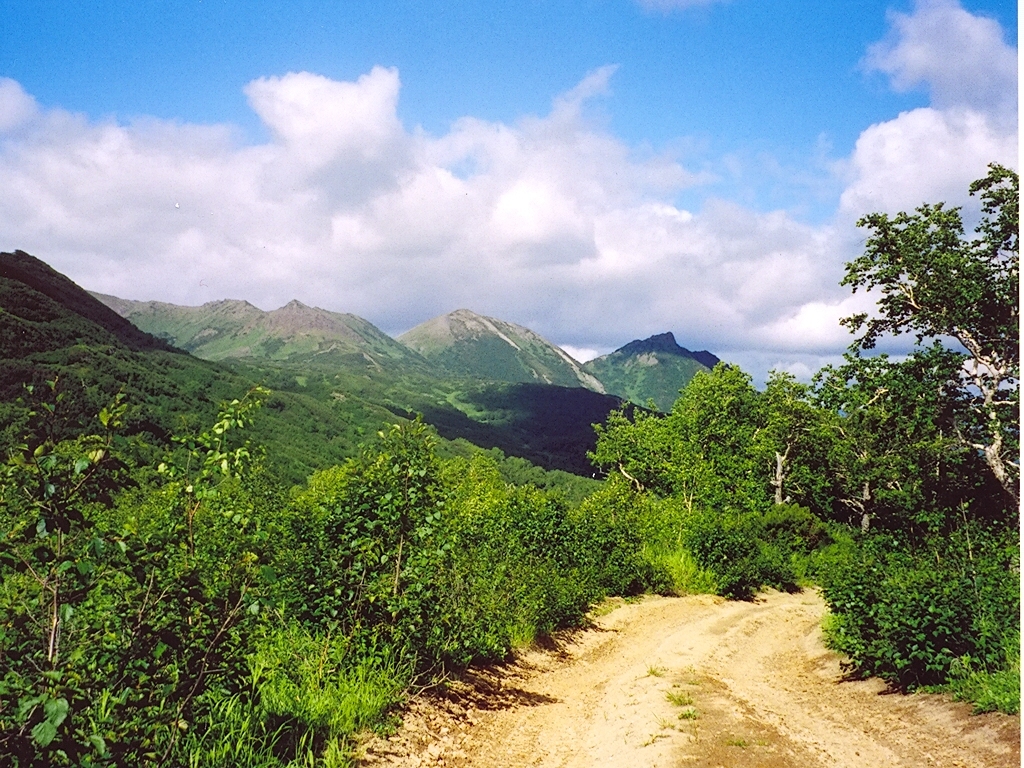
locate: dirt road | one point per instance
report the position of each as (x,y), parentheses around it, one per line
(693,681)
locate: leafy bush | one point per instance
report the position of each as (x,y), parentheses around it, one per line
(913,617)
(733,548)
(794,529)
(141,603)
(616,524)
(746,551)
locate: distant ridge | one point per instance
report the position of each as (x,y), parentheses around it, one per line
(20,267)
(232,329)
(655,368)
(467,344)
(461,343)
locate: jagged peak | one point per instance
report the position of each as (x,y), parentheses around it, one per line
(665,343)
(660,342)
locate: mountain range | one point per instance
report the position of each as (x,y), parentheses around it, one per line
(226,329)
(482,383)
(64,355)
(460,344)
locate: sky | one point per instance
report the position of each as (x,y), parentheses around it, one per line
(596,170)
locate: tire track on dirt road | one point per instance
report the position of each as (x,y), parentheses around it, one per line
(694,681)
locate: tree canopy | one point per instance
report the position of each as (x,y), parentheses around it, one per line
(938,284)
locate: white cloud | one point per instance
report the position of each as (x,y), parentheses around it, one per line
(923,155)
(16,106)
(582,354)
(318,119)
(550,222)
(814,325)
(933,153)
(963,59)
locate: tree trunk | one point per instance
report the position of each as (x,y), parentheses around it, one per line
(780,474)
(865,517)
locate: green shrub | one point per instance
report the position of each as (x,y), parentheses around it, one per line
(615,525)
(511,568)
(145,593)
(908,615)
(794,529)
(732,547)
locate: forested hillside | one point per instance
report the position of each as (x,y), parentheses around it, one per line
(170,596)
(335,377)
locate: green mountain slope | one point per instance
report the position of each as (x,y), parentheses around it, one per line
(92,354)
(548,425)
(467,344)
(227,329)
(323,404)
(36,289)
(655,369)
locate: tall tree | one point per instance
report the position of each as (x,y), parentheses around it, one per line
(937,284)
(792,441)
(894,454)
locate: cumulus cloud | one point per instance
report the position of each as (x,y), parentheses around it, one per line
(550,221)
(319,120)
(16,106)
(923,155)
(963,59)
(933,153)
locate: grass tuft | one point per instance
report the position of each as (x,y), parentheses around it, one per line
(679,698)
(989,691)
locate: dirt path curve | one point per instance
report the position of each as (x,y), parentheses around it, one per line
(693,681)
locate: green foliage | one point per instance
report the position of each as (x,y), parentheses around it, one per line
(926,455)
(684,575)
(302,695)
(518,471)
(794,443)
(737,549)
(641,449)
(616,528)
(713,465)
(908,614)
(726,446)
(936,284)
(896,456)
(367,539)
(119,605)
(714,422)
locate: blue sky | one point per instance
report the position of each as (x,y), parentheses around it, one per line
(572,125)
